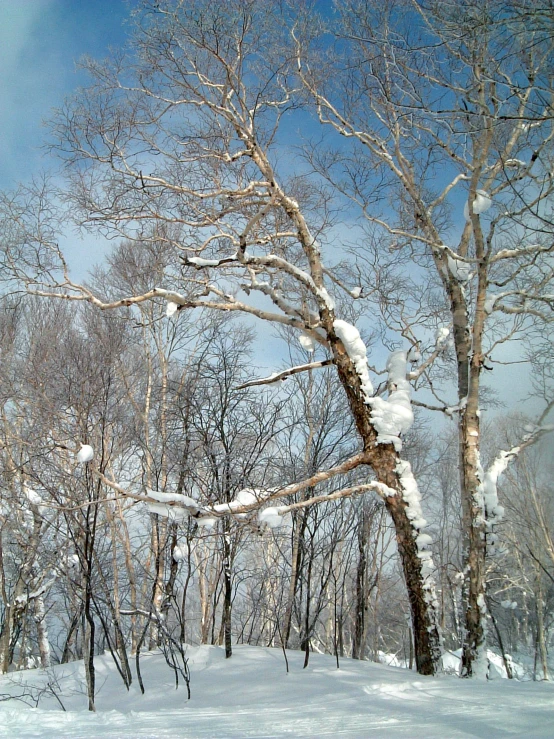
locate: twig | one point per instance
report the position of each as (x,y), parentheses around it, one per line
(286,373)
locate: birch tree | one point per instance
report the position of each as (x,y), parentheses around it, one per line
(449,105)
(183,139)
(176,143)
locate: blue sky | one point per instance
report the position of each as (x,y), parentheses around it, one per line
(40,41)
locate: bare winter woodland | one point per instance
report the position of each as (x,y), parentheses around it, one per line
(366,188)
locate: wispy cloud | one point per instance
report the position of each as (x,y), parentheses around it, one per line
(39,43)
(29,83)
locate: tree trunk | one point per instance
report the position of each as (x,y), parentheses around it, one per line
(228,591)
(474,657)
(296,558)
(427,640)
(42,632)
(386,463)
(541,641)
(89,650)
(362,591)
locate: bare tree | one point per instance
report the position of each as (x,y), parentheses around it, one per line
(451,94)
(178,142)
(218,202)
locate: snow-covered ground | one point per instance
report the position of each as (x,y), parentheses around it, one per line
(251,695)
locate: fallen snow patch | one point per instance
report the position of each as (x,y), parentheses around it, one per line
(252,694)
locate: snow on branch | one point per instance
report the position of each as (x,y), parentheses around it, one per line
(276,376)
(518,252)
(200,262)
(524,309)
(493,303)
(173,505)
(178,507)
(393,416)
(228,302)
(446,190)
(356,350)
(448,410)
(43,588)
(379,487)
(412,497)
(441,342)
(488,489)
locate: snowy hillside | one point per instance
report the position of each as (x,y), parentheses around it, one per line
(251,695)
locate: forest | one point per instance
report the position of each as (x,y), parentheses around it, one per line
(305,401)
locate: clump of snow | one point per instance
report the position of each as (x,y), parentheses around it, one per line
(201,262)
(489,303)
(514,163)
(174,506)
(34,499)
(481,204)
(393,416)
(175,514)
(85,454)
(488,488)
(171,308)
(414,355)
(32,496)
(509,605)
(179,553)
(273,518)
(460,270)
(206,522)
(327,299)
(247,497)
(423,541)
(441,335)
(356,350)
(356,292)
(412,496)
(307,342)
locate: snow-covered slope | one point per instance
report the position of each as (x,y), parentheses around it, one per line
(251,695)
